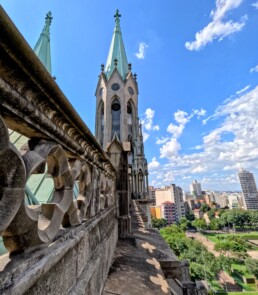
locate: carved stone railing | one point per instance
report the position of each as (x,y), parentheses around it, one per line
(32,104)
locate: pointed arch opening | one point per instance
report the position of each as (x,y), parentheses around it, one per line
(116,114)
(130,119)
(100,130)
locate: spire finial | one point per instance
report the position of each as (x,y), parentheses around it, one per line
(48,18)
(117,18)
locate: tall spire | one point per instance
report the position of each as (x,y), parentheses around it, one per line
(117,51)
(42,47)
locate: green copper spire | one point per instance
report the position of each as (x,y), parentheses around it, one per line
(42,47)
(117,51)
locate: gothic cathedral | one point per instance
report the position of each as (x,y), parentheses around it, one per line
(117,113)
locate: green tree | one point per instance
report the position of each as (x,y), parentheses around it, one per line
(205,208)
(198,272)
(254,217)
(158,222)
(184,223)
(190,216)
(211,214)
(199,224)
(215,224)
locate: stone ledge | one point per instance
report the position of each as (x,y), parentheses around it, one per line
(56,267)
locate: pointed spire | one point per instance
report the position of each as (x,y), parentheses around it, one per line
(42,47)
(117,51)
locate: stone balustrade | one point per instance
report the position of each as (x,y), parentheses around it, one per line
(32,104)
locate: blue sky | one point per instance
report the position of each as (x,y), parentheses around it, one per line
(197,67)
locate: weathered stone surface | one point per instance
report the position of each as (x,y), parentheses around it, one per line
(145,264)
(76,263)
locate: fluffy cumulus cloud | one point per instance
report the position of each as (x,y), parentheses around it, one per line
(222,150)
(141,51)
(147,123)
(154,164)
(171,146)
(218,28)
(254,69)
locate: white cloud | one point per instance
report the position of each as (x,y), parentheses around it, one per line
(255,4)
(218,28)
(149,115)
(162,140)
(154,164)
(197,147)
(199,113)
(243,90)
(141,51)
(171,145)
(170,148)
(198,169)
(233,143)
(145,136)
(254,69)
(175,130)
(147,123)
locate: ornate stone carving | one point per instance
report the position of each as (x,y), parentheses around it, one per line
(23,226)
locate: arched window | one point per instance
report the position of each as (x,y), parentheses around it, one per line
(129,120)
(116,112)
(101,123)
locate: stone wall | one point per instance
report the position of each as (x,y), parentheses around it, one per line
(77,262)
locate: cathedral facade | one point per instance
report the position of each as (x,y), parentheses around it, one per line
(117,113)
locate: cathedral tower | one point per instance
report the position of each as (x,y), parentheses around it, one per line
(117,112)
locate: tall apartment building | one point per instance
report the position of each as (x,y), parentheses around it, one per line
(168,211)
(250,194)
(195,188)
(172,194)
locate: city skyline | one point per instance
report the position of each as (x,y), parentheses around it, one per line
(198,90)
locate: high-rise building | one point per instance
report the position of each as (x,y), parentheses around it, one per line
(195,188)
(117,112)
(168,211)
(172,194)
(249,189)
(177,194)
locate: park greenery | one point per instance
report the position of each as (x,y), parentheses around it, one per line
(231,246)
(203,264)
